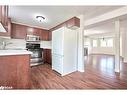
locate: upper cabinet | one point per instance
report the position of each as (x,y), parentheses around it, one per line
(18,31)
(5,21)
(21,31)
(73,23)
(33,31)
(4,15)
(50,35)
(44,35)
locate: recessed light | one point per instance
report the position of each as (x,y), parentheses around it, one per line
(40,18)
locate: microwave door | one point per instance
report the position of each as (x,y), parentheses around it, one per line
(33,38)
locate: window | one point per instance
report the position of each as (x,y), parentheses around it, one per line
(94,43)
(110,42)
(103,43)
(106,42)
(86,42)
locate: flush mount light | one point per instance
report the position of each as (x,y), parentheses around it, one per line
(40,18)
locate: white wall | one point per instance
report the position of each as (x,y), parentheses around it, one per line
(81,66)
(98,49)
(124,44)
(102,50)
(46,44)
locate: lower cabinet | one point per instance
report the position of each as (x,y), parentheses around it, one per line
(14,71)
(47,56)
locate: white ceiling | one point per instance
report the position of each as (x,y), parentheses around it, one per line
(105,28)
(54,14)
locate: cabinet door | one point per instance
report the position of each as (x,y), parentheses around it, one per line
(8,28)
(47,56)
(23,72)
(8,71)
(19,31)
(33,31)
(50,36)
(73,23)
(44,35)
(6,22)
(4,15)
(44,55)
(14,71)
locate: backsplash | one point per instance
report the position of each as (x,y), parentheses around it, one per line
(13,43)
(1,40)
(46,44)
(21,43)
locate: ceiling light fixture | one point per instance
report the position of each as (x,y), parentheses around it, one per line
(40,18)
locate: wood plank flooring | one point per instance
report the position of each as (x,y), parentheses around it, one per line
(99,74)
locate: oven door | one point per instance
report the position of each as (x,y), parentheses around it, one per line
(36,53)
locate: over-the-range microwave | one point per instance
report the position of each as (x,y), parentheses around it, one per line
(32,38)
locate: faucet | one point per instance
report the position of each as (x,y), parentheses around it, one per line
(3,45)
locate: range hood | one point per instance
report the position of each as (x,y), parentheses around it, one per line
(2,29)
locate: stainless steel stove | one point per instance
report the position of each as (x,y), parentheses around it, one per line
(36,56)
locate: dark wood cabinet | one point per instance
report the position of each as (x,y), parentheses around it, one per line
(50,35)
(18,31)
(33,31)
(47,56)
(37,32)
(23,71)
(73,23)
(5,20)
(21,31)
(44,35)
(4,15)
(14,71)
(8,28)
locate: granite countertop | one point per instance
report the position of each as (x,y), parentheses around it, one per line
(14,52)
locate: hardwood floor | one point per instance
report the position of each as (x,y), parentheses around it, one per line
(99,74)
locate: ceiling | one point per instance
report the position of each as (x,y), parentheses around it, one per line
(105,28)
(54,14)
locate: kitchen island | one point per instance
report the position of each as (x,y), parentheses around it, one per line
(14,69)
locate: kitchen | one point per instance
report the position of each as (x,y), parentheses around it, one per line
(15,42)
(31,46)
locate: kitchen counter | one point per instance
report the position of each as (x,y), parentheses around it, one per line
(15,69)
(14,52)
